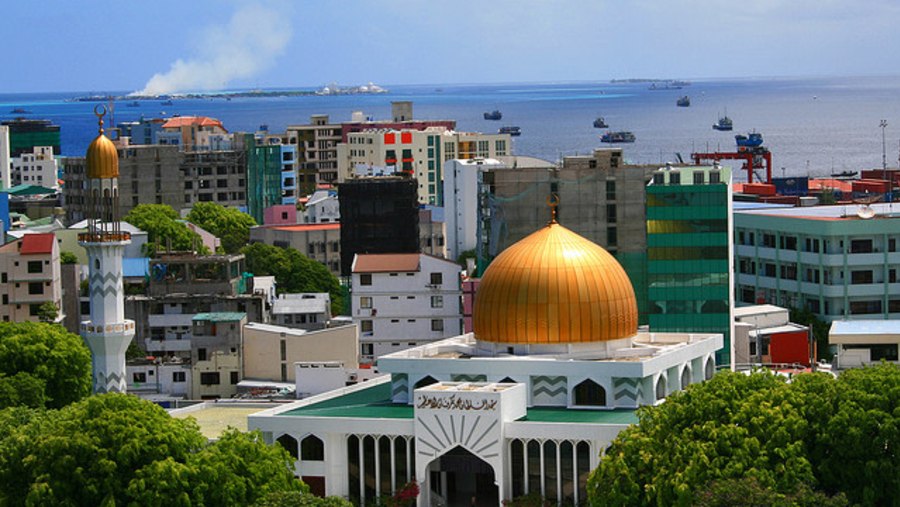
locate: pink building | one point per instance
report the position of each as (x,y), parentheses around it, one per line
(281,214)
(469,288)
(30,277)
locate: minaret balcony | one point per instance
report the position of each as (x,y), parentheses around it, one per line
(103,237)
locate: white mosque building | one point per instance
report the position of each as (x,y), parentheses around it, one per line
(554,371)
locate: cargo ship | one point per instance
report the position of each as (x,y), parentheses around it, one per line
(617,137)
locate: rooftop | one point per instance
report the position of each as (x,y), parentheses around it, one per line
(199,121)
(301,303)
(375,403)
(865,327)
(834,212)
(37,244)
(384,263)
(305,227)
(215,418)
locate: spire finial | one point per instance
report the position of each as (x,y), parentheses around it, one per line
(100,111)
(553,202)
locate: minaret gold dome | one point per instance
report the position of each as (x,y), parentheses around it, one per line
(102,156)
(554,287)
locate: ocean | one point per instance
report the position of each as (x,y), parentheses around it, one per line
(814,126)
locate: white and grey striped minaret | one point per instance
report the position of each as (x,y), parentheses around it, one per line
(107,332)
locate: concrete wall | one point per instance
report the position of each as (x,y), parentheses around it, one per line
(262,349)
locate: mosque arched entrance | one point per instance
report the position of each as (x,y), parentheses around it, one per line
(458,476)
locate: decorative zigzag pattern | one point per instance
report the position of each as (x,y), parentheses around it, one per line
(111,277)
(551,389)
(112,383)
(105,284)
(399,388)
(463,377)
(444,432)
(630,388)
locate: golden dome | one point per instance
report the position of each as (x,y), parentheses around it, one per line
(102,156)
(552,287)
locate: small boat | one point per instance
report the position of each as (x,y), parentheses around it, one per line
(600,123)
(166,103)
(724,123)
(511,130)
(617,137)
(752,140)
(684,101)
(493,115)
(844,174)
(133,103)
(20,110)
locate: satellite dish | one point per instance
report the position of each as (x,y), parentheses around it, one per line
(865,212)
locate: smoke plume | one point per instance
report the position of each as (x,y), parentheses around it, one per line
(250,43)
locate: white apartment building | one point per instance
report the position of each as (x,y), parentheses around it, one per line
(461,202)
(322,207)
(306,310)
(840,262)
(404,300)
(36,168)
(30,277)
(5,162)
(420,153)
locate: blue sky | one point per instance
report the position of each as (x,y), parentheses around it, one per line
(105,45)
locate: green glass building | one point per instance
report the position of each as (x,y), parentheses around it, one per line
(263,176)
(689,258)
(25,134)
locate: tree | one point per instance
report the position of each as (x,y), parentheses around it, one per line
(810,438)
(161,224)
(49,354)
(67,257)
(230,225)
(300,499)
(116,449)
(48,312)
(466,254)
(819,328)
(293,271)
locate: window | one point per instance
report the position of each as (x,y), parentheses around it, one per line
(367,349)
(610,189)
(788,242)
(178,376)
(209,378)
(437,278)
(715,177)
(698,178)
(234,378)
(674,178)
(365,326)
(365,279)
(859,277)
(312,449)
(34,309)
(861,246)
(35,288)
(437,324)
(589,393)
(35,267)
(437,301)
(365,302)
(611,213)
(201,355)
(139,377)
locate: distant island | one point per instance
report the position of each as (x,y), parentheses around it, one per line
(330,89)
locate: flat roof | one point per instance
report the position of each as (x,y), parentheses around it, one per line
(305,227)
(375,403)
(830,212)
(865,327)
(215,418)
(220,316)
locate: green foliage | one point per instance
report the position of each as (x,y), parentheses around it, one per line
(748,492)
(161,224)
(300,499)
(48,312)
(67,257)
(22,390)
(116,449)
(819,328)
(293,271)
(529,500)
(49,354)
(839,436)
(230,225)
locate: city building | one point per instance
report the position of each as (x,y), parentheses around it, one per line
(25,134)
(195,133)
(527,403)
(280,214)
(378,215)
(320,242)
(5,158)
(317,142)
(461,197)
(839,262)
(420,154)
(107,332)
(403,300)
(36,167)
(30,277)
(216,341)
(309,311)
(432,231)
(764,334)
(689,257)
(322,207)
(864,342)
(270,351)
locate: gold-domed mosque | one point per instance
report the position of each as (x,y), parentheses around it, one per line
(554,370)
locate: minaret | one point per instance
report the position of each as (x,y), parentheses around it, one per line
(107,333)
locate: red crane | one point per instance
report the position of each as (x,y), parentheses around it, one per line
(752,157)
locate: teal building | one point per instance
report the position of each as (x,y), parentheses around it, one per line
(689,253)
(264,167)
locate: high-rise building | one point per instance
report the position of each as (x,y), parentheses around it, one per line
(689,257)
(264,176)
(5,159)
(25,134)
(107,332)
(378,215)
